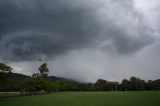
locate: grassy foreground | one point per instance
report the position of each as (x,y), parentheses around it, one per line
(9,94)
(86,99)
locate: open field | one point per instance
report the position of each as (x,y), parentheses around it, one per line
(9,94)
(86,99)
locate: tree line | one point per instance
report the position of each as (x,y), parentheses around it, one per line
(39,83)
(133,84)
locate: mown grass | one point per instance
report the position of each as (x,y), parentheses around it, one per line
(86,99)
(9,94)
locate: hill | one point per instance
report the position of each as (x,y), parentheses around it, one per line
(20,77)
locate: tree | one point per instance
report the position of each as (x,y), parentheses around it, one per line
(136,84)
(35,86)
(62,85)
(125,85)
(6,78)
(5,68)
(153,85)
(100,85)
(43,69)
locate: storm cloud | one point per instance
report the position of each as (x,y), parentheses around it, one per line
(74,32)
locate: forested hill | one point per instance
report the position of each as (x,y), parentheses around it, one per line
(20,77)
(16,82)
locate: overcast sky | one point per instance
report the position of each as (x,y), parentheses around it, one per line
(82,39)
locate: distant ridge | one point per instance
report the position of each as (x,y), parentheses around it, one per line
(20,77)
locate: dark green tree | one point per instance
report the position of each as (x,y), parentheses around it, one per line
(125,85)
(153,85)
(136,84)
(62,85)
(5,68)
(100,85)
(43,69)
(6,77)
(34,85)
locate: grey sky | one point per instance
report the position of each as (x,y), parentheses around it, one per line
(82,39)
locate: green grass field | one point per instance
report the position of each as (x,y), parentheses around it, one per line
(86,99)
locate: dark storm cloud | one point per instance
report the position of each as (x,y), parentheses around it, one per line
(125,44)
(41,28)
(31,28)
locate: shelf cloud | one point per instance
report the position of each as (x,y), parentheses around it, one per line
(82,36)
